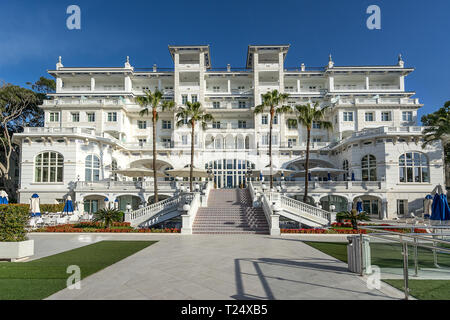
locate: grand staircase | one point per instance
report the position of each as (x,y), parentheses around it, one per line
(230,211)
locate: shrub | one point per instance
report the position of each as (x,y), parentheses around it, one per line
(13,220)
(52,207)
(108,217)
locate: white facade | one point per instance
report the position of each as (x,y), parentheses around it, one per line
(94,113)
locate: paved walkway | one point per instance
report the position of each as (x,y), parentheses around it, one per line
(215,267)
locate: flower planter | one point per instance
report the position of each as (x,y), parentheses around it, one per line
(16,250)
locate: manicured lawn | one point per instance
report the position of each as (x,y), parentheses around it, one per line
(389,255)
(425,289)
(38,279)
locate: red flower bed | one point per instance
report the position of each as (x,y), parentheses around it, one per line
(94,227)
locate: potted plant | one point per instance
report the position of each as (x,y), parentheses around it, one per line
(14,243)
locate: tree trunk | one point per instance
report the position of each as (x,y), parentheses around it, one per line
(155,183)
(272,111)
(308,137)
(191,172)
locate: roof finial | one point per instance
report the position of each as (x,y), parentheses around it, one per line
(330,61)
(59,63)
(127,63)
(401,63)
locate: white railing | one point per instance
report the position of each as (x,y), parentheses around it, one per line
(141,215)
(315,214)
(187,220)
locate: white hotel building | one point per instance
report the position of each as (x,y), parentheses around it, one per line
(92,126)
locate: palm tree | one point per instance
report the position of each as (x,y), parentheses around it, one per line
(108,216)
(154,101)
(273,101)
(438,128)
(192,114)
(307,115)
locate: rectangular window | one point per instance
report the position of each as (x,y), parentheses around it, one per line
(75,117)
(402,207)
(348,116)
(242,124)
(385,116)
(142,142)
(317,139)
(194,98)
(184,139)
(292,142)
(54,116)
(275,119)
(91,116)
(142,124)
(216,124)
(407,116)
(264,119)
(242,104)
(369,116)
(316,125)
(265,139)
(167,124)
(184,99)
(216,105)
(112,116)
(216,89)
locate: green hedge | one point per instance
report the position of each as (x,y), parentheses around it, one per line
(13,220)
(44,207)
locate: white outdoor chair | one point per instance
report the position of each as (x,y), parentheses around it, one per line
(33,222)
(73,218)
(62,220)
(48,221)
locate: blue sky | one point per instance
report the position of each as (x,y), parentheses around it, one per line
(33,34)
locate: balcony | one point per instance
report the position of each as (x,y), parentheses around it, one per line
(327,186)
(133,186)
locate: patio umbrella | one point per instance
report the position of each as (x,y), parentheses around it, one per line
(116,204)
(440,210)
(3,197)
(309,176)
(329,176)
(359,207)
(427,206)
(353,176)
(34,205)
(68,206)
(185,172)
(261,176)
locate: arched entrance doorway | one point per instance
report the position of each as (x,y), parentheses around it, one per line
(229,173)
(126,199)
(340,203)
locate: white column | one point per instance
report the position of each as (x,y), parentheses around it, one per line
(298,85)
(58,85)
(229,85)
(159,84)
(127,83)
(281,70)
(177,97)
(201,95)
(331,83)
(402,83)
(367,82)
(92,84)
(256,79)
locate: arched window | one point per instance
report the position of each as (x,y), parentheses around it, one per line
(369,168)
(345,168)
(48,167)
(413,167)
(92,168)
